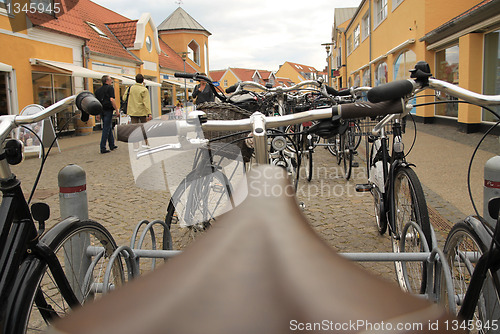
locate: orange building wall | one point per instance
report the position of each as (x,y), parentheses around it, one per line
(179,41)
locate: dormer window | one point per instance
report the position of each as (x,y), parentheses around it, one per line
(97,30)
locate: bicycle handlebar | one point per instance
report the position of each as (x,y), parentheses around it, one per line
(390,91)
(85,101)
(401,88)
(346,111)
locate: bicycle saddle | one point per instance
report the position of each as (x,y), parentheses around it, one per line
(260,269)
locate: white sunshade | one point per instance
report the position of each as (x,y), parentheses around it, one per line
(124,80)
(147,82)
(76,71)
(5,68)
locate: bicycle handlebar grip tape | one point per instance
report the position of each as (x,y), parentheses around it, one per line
(184,75)
(87,102)
(390,91)
(231,89)
(127,132)
(367,109)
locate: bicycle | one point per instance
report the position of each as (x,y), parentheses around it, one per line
(283,285)
(44,275)
(471,249)
(194,198)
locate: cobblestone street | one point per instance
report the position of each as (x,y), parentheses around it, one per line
(342,217)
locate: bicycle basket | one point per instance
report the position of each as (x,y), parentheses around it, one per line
(226,111)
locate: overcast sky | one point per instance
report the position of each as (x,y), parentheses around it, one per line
(257,34)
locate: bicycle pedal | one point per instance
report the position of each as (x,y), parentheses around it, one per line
(364,187)
(355,164)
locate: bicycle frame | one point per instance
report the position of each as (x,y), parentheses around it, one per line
(19,238)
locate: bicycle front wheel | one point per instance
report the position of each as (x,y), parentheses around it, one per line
(194,207)
(83,249)
(463,248)
(412,229)
(307,156)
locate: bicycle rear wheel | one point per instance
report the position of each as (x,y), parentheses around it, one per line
(83,249)
(410,209)
(193,207)
(347,152)
(463,248)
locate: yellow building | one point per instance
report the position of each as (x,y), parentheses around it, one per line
(68,47)
(385,38)
(233,75)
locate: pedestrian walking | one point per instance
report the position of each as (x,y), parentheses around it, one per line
(139,104)
(202,92)
(106,95)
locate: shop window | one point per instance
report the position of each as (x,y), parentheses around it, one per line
(403,64)
(357,80)
(447,70)
(491,70)
(367,78)
(381,74)
(194,52)
(49,88)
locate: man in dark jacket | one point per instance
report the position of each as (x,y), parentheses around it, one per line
(106,95)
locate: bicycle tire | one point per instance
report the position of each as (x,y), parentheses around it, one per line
(308,157)
(347,152)
(331,146)
(463,244)
(410,206)
(197,215)
(358,133)
(37,300)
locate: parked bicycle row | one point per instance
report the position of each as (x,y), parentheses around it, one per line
(217,153)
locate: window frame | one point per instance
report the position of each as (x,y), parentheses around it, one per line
(380,7)
(365,26)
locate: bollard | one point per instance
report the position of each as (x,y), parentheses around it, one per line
(491,187)
(73,192)
(73,202)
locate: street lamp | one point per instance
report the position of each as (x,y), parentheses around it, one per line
(328,61)
(184,56)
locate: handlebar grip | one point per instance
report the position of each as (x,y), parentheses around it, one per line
(334,92)
(184,75)
(133,133)
(367,109)
(390,91)
(87,102)
(231,89)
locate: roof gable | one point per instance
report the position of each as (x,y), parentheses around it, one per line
(181,20)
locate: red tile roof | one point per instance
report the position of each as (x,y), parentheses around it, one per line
(73,21)
(124,31)
(243,74)
(170,60)
(217,75)
(303,68)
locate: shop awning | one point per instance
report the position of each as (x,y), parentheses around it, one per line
(177,83)
(124,80)
(76,71)
(5,68)
(146,82)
